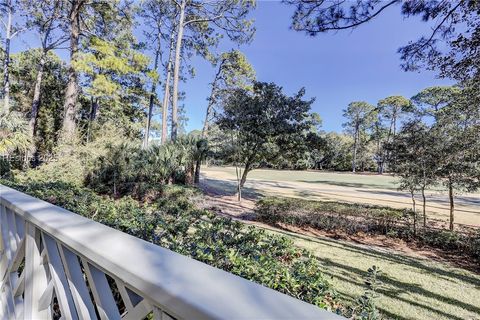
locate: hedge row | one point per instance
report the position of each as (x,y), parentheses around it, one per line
(355,218)
(330,216)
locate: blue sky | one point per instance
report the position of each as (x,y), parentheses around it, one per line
(335,68)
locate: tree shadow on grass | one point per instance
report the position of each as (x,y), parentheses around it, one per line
(347,273)
(352,198)
(389,315)
(349,184)
(389,256)
(394,288)
(220,188)
(467,201)
(392,294)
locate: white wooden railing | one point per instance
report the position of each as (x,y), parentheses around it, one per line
(55,264)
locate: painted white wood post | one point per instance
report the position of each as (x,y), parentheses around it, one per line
(55,264)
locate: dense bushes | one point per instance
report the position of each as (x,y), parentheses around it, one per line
(350,218)
(5,169)
(173,221)
(467,242)
(354,218)
(126,169)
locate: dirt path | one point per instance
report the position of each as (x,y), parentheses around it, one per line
(220,184)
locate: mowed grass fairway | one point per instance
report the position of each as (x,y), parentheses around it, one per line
(360,188)
(411,287)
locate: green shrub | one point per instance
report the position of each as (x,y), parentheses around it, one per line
(465,242)
(5,169)
(126,169)
(365,308)
(330,216)
(354,218)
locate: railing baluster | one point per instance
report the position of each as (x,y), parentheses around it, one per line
(17,257)
(8,279)
(20,226)
(17,300)
(6,256)
(35,276)
(102,292)
(124,294)
(140,311)
(20,285)
(12,233)
(79,289)
(3,306)
(62,289)
(137,307)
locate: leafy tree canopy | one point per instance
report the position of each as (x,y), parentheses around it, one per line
(265,123)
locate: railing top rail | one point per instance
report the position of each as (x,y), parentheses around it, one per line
(183,287)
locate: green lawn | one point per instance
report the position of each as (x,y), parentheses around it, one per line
(412,288)
(333,178)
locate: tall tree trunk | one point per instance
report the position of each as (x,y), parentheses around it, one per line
(6,61)
(93,115)
(382,168)
(355,142)
(152,98)
(207,117)
(211,101)
(71,92)
(394,128)
(166,97)
(452,204)
(176,71)
(36,95)
(379,161)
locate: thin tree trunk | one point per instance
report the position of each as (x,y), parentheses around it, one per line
(414,213)
(176,71)
(379,161)
(197,171)
(382,168)
(207,117)
(239,185)
(379,151)
(71,92)
(93,115)
(152,99)
(246,170)
(394,128)
(424,207)
(452,204)
(354,161)
(36,95)
(211,101)
(6,62)
(166,97)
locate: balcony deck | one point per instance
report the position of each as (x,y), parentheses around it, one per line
(55,263)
